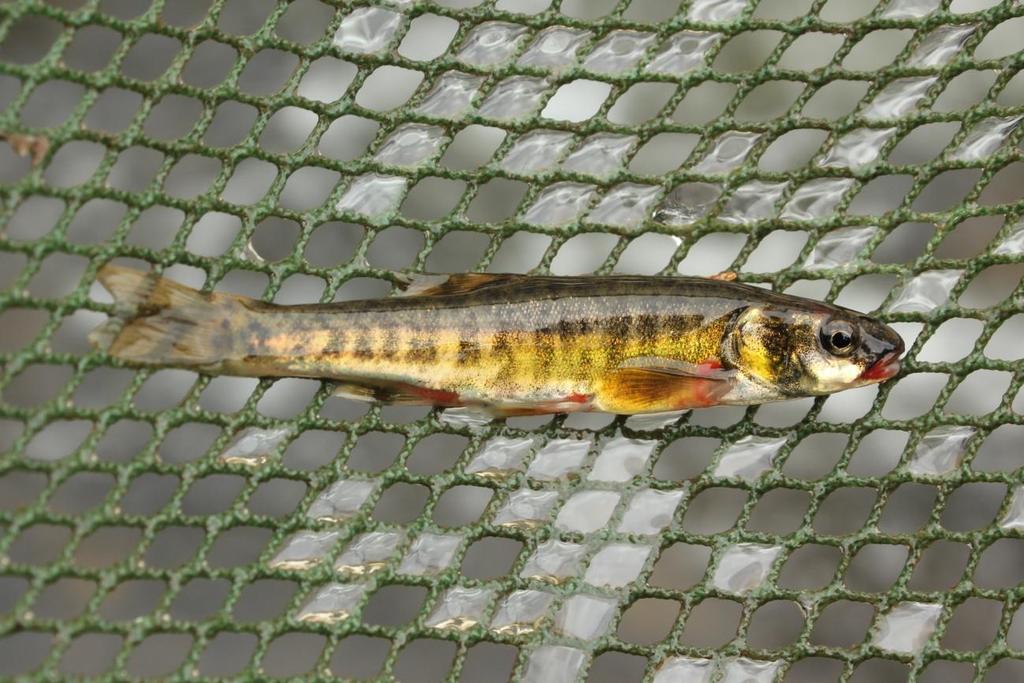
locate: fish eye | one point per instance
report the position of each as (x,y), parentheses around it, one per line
(837,336)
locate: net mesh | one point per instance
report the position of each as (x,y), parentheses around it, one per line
(164,524)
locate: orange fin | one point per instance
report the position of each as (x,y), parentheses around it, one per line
(460,283)
(711,369)
(628,391)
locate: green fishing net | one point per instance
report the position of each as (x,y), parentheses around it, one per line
(164,525)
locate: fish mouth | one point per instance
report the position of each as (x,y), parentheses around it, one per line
(884,368)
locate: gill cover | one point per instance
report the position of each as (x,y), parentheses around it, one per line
(761,346)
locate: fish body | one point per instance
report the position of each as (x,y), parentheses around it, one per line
(515,344)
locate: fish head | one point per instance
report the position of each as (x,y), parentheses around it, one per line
(812,350)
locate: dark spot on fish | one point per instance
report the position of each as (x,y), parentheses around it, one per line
(389,345)
(469,352)
(423,353)
(617,328)
(647,327)
(257,329)
(502,345)
(363,347)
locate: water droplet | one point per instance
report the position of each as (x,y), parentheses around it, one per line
(558,459)
(716,11)
(753,201)
(559,204)
(743,670)
(553,664)
(601,155)
(554,48)
(987,136)
(411,144)
(304,549)
(1014,516)
(687,203)
(367,30)
(684,51)
(728,152)
(898,98)
(332,603)
(460,609)
(451,96)
(940,46)
(526,508)
(491,43)
(616,565)
(817,198)
(249,253)
(342,500)
(501,457)
(910,9)
(585,617)
(368,553)
(684,670)
(1013,243)
(749,458)
(941,450)
(430,553)
(537,151)
(521,612)
(619,51)
(744,567)
(374,196)
(474,419)
(840,248)
(650,511)
(254,446)
(925,292)
(553,562)
(648,422)
(627,205)
(907,627)
(858,149)
(621,459)
(587,511)
(516,97)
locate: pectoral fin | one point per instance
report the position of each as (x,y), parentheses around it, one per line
(710,369)
(631,390)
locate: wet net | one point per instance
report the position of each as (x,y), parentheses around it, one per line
(162,524)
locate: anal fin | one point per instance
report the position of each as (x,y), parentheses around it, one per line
(397,393)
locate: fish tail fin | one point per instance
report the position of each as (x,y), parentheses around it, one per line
(160,322)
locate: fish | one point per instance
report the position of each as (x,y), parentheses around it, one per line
(510,344)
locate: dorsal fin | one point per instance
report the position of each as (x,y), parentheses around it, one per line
(459,283)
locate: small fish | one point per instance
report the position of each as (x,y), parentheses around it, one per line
(516,344)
